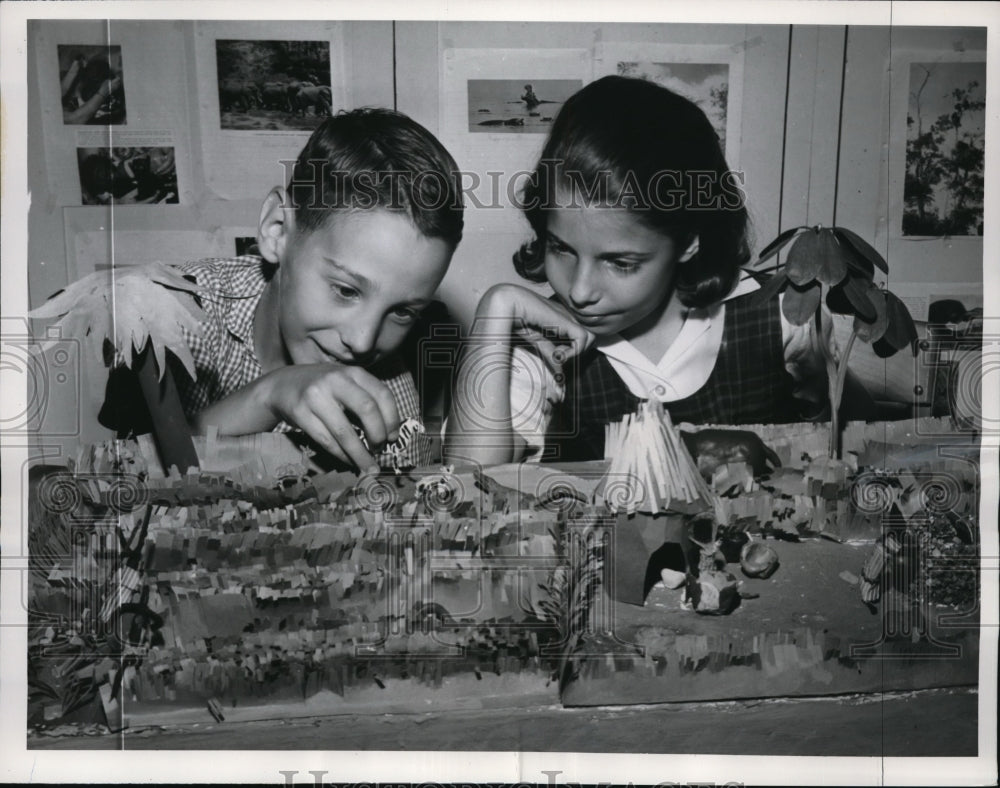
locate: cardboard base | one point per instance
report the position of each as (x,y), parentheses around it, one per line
(807,633)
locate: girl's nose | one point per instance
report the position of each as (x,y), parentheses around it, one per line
(583,291)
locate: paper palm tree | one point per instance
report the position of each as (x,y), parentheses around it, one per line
(841,264)
(133,317)
(127,309)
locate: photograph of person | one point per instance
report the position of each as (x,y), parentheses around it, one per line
(90,80)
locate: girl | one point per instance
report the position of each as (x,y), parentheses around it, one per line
(640,229)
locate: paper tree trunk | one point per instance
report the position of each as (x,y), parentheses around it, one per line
(170,427)
(651,484)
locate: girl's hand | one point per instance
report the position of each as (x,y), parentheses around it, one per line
(317,399)
(546,324)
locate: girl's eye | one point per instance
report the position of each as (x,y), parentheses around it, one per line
(344,291)
(624,266)
(554,247)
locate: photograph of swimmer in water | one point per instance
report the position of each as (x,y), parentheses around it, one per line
(514,106)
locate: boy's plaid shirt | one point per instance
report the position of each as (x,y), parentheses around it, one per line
(224,355)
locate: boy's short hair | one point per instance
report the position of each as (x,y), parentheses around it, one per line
(378,158)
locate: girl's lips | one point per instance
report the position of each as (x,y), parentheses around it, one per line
(585,318)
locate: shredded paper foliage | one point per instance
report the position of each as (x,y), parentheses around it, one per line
(128,307)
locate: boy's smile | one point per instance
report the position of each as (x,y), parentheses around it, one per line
(347,292)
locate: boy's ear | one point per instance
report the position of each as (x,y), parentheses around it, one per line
(277,222)
(690,252)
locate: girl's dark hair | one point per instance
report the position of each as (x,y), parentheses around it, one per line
(377,158)
(630,143)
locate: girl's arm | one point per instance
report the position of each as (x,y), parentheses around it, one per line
(480,428)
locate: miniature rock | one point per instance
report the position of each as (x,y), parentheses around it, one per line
(758,560)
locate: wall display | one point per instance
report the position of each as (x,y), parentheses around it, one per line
(507,106)
(245,244)
(945,149)
(103,121)
(90,83)
(261,91)
(710,76)
(496,159)
(495,103)
(931,198)
(124,175)
(273,85)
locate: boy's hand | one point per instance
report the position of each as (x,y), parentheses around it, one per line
(535,319)
(317,399)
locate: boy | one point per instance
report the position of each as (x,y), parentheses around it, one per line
(304,334)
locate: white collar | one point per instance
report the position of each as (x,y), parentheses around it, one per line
(686,365)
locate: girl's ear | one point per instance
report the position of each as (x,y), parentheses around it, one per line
(277,222)
(690,252)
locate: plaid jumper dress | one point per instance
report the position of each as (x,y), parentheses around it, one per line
(748,385)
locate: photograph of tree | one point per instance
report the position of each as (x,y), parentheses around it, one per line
(273,85)
(706,84)
(943,192)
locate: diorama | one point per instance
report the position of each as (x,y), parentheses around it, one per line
(175,576)
(178,582)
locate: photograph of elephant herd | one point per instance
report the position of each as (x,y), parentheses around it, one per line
(273,85)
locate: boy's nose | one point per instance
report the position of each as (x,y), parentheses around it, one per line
(360,340)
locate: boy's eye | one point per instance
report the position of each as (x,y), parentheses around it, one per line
(405,314)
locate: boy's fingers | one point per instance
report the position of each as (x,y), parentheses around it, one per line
(357,400)
(384,400)
(346,437)
(316,430)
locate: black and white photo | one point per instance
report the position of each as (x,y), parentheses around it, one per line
(410,394)
(91,85)
(273,85)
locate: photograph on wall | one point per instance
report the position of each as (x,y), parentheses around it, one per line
(945,149)
(273,85)
(706,84)
(90,84)
(245,244)
(710,75)
(127,175)
(513,106)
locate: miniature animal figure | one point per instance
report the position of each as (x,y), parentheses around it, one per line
(408,430)
(711,448)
